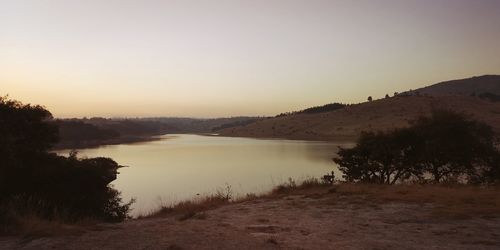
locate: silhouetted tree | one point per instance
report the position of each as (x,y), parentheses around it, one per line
(33,180)
(382,157)
(445,145)
(24,136)
(24,130)
(452,146)
(370,98)
(317,109)
(387,96)
(325,108)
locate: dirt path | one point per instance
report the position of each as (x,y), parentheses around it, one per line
(321,221)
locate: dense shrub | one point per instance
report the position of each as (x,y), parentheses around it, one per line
(325,108)
(35,181)
(450,145)
(444,146)
(379,158)
(317,109)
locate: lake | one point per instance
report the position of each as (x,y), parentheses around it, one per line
(182,166)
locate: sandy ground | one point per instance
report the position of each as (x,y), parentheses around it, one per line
(313,221)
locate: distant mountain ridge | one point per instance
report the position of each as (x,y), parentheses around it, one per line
(468,87)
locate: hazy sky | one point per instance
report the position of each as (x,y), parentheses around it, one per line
(224,58)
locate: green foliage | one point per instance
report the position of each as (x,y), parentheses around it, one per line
(444,146)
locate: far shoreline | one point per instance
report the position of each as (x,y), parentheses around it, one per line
(141,139)
(96,144)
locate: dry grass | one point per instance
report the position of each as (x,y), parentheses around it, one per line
(447,201)
(458,201)
(21,218)
(345,125)
(192,208)
(304,187)
(32,226)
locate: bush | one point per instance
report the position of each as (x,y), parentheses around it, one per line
(452,146)
(444,146)
(379,158)
(34,181)
(317,109)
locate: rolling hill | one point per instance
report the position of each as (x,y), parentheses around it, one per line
(467,87)
(347,123)
(83,133)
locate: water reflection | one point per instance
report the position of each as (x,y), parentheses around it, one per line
(178,167)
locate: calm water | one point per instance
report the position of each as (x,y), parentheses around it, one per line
(179,167)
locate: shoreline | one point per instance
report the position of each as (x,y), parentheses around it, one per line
(346,139)
(139,139)
(96,144)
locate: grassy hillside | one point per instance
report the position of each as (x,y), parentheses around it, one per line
(347,123)
(470,86)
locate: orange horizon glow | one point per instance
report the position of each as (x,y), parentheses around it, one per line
(233,58)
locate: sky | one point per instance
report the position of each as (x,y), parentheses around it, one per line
(140,58)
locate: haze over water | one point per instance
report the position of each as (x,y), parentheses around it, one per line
(179,167)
